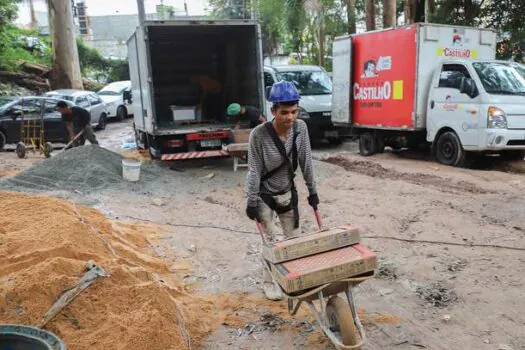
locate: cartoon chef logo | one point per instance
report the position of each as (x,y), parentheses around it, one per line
(457,40)
(370,69)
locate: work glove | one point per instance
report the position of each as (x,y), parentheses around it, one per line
(252,213)
(313,200)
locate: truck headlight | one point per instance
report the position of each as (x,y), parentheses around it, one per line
(303,114)
(496,118)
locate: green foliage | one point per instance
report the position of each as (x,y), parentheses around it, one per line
(93,64)
(14,50)
(8,12)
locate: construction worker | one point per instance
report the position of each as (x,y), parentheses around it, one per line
(275,150)
(77,119)
(207,87)
(245,114)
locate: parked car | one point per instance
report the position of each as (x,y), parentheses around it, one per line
(87,100)
(13,109)
(117,97)
(315,87)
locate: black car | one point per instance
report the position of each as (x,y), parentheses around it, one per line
(30,109)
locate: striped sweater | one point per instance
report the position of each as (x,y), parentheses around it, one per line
(263,156)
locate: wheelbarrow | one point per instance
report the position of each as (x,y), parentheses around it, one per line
(337,317)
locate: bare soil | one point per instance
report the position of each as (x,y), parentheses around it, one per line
(426,295)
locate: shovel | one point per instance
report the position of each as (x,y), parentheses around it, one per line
(71,142)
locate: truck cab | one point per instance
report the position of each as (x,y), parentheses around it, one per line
(476,105)
(315,87)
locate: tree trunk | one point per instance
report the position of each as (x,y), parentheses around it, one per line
(370,8)
(34,22)
(321,40)
(66,67)
(350,13)
(469,12)
(389,13)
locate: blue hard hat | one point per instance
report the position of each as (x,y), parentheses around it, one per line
(283,91)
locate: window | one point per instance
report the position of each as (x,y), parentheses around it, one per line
(268,79)
(83,102)
(451,75)
(26,107)
(500,78)
(308,82)
(93,100)
(50,106)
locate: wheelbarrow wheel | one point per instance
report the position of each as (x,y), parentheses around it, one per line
(341,321)
(21,150)
(48,148)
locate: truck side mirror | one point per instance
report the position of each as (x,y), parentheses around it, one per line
(468,86)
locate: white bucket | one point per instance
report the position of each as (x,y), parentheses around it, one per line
(131,170)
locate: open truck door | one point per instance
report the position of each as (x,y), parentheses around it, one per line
(342,82)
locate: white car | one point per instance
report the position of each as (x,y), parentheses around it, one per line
(117,97)
(87,100)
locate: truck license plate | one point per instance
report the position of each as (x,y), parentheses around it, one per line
(331,134)
(211,143)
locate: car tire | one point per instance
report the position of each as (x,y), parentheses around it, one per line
(21,150)
(3,141)
(449,150)
(102,121)
(367,144)
(122,113)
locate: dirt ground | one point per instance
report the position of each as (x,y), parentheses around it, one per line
(463,293)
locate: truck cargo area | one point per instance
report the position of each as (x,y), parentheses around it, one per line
(186,58)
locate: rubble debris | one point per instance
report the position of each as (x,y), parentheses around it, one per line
(437,295)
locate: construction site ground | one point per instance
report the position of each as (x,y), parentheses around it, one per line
(462,293)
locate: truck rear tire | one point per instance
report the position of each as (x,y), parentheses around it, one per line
(380,144)
(449,150)
(367,144)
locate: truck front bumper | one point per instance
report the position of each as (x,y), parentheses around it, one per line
(502,139)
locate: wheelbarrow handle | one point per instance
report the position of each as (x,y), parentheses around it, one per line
(318,219)
(260,228)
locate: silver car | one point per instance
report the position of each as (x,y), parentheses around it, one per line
(87,100)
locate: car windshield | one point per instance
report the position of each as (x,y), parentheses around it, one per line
(308,82)
(4,101)
(113,90)
(521,69)
(500,78)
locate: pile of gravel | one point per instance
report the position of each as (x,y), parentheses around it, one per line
(83,169)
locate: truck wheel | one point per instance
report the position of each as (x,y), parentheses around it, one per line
(380,144)
(449,150)
(367,144)
(3,141)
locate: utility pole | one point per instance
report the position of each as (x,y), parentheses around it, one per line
(142,11)
(66,66)
(186,8)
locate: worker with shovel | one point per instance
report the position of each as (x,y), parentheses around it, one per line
(77,120)
(275,151)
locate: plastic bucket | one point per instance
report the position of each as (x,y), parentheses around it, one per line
(19,337)
(131,169)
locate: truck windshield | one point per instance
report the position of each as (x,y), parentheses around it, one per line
(521,69)
(500,78)
(308,82)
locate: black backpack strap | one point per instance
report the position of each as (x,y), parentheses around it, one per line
(280,146)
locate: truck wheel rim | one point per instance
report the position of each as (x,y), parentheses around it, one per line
(448,150)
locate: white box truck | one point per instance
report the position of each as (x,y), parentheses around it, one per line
(184,73)
(432,84)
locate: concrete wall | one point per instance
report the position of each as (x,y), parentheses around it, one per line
(109,48)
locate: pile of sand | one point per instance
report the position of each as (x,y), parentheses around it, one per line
(44,246)
(83,169)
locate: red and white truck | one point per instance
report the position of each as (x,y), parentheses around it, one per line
(429,84)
